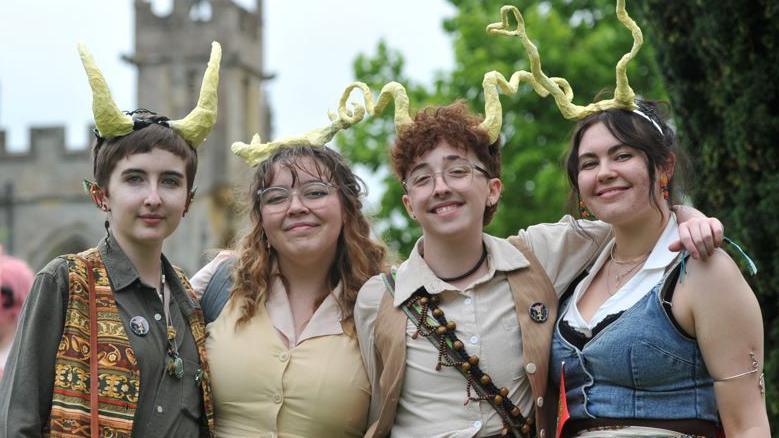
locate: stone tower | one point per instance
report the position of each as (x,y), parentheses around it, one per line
(43,210)
(171,53)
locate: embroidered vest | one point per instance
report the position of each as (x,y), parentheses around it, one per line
(118,373)
(528,285)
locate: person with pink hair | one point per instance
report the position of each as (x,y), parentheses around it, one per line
(15,282)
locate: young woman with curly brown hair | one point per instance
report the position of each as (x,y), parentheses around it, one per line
(283,350)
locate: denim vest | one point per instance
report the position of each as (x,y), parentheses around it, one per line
(640,366)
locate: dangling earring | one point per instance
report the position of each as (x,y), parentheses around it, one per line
(664,186)
(107,232)
(584,212)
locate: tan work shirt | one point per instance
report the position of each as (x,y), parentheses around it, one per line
(432,402)
(269,382)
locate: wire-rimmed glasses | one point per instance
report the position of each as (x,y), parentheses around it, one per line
(312,194)
(457,174)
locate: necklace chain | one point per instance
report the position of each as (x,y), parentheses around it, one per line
(620,277)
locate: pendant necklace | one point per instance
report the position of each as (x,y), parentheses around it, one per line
(174,364)
(620,276)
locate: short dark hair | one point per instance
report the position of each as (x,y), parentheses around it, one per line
(658,146)
(107,152)
(454,123)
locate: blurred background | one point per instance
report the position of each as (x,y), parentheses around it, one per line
(286,63)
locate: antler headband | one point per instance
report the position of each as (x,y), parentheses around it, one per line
(559,88)
(194,128)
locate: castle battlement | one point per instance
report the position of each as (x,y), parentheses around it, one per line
(43,208)
(200,18)
(45,143)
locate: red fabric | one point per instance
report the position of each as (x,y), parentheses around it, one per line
(562,407)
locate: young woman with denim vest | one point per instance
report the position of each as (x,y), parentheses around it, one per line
(652,343)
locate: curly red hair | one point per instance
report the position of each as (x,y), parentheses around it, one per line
(456,125)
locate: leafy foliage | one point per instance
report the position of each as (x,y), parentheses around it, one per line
(721,64)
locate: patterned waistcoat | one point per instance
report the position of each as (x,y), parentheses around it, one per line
(118,373)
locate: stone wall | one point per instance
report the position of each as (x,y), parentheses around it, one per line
(43,209)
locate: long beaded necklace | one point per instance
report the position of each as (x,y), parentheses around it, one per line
(622,277)
(174,364)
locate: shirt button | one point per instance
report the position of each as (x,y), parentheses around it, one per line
(474,340)
(159,409)
(530,368)
(477,424)
(541,433)
(468,301)
(283,357)
(157,316)
(276,398)
(540,402)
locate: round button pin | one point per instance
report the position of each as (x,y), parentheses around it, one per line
(538,312)
(139,325)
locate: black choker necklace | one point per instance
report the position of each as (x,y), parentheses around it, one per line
(472,270)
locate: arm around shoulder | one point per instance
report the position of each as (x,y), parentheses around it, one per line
(729,328)
(27,385)
(566,247)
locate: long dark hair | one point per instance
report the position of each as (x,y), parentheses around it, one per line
(630,128)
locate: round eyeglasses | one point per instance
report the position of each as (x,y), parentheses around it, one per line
(457,175)
(312,194)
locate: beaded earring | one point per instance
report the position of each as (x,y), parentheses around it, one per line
(664,186)
(584,212)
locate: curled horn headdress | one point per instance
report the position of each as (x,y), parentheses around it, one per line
(257,151)
(194,128)
(559,88)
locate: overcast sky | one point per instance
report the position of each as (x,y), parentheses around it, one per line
(310,46)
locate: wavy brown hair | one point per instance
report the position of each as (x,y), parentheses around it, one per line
(454,123)
(358,256)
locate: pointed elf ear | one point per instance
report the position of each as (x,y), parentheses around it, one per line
(190,197)
(96,193)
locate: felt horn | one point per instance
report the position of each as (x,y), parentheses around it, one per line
(199,122)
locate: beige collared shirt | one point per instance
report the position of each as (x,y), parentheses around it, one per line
(268,382)
(432,402)
(325,321)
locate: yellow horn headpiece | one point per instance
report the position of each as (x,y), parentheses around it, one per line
(257,151)
(559,88)
(112,122)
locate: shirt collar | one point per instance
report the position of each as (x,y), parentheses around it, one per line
(661,256)
(415,273)
(325,321)
(120,269)
(122,272)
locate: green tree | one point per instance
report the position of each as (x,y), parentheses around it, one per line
(578,40)
(720,62)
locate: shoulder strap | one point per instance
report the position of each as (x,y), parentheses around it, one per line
(389,281)
(669,282)
(422,309)
(217,291)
